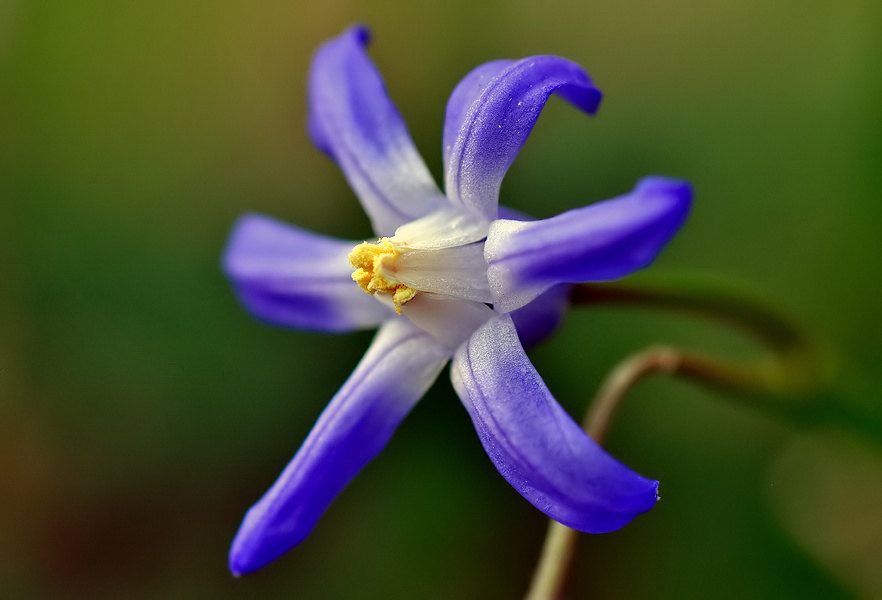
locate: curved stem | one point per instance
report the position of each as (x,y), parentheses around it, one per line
(550,577)
(696,295)
(559,548)
(786,380)
(791,370)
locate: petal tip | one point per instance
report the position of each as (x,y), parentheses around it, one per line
(239,562)
(627,511)
(654,495)
(681,189)
(591,101)
(678,192)
(256,545)
(238,233)
(361,33)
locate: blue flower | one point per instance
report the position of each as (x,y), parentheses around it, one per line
(448,278)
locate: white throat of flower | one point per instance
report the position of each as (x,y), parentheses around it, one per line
(439,258)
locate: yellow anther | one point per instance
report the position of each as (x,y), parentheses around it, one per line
(375,271)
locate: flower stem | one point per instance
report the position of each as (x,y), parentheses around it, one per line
(790,379)
(550,578)
(559,548)
(785,381)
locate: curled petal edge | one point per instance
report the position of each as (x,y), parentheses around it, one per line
(507,98)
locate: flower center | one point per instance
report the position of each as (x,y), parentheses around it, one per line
(375,271)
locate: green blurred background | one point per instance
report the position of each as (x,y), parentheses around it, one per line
(142,411)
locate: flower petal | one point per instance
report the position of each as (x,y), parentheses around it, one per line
(458,271)
(500,118)
(396,371)
(464,95)
(599,242)
(291,277)
(352,119)
(538,319)
(449,320)
(442,229)
(535,444)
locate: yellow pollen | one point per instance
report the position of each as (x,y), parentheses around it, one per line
(374,266)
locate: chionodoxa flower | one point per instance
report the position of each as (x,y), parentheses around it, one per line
(447,279)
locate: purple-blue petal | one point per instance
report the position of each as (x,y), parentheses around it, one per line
(352,119)
(514,215)
(600,242)
(502,114)
(535,444)
(291,277)
(397,369)
(463,97)
(538,319)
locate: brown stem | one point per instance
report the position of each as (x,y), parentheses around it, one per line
(557,554)
(780,382)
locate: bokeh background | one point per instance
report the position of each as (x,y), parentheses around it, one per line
(142,411)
